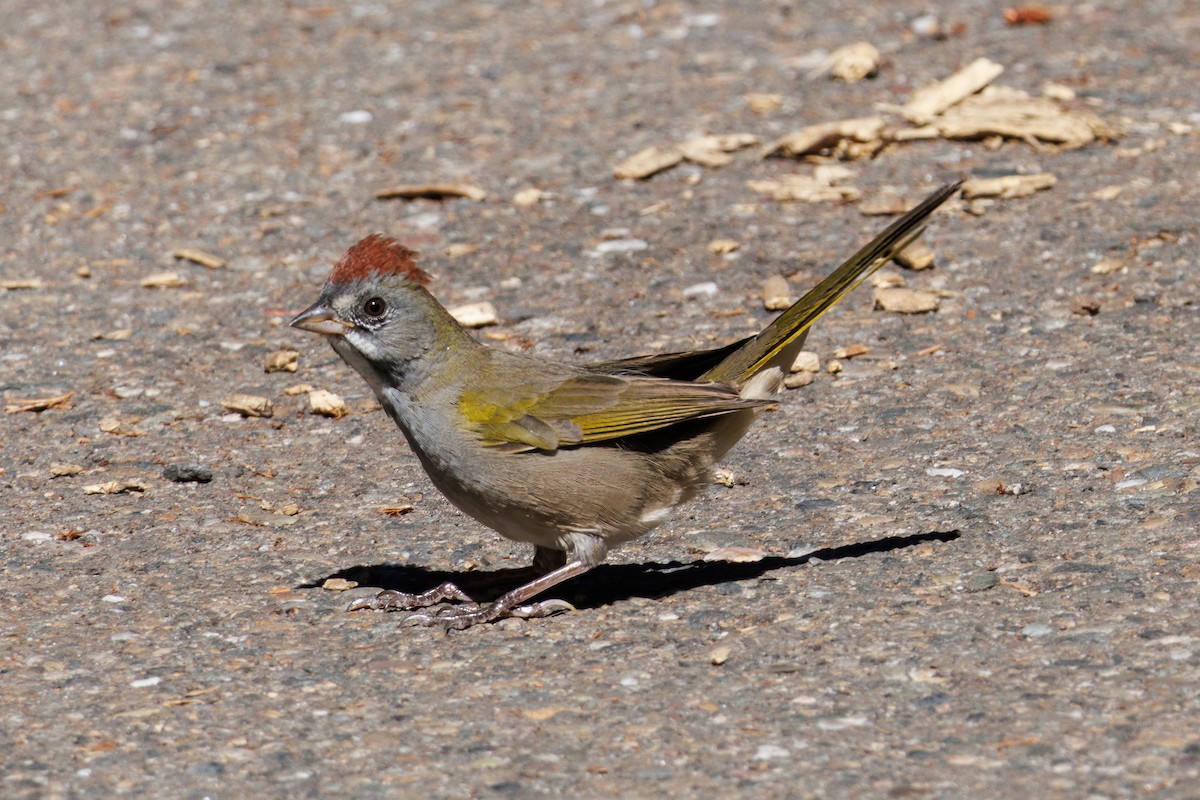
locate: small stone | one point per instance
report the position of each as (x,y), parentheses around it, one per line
(769,752)
(706,289)
(58,470)
(915,257)
(734,554)
(799,379)
(187,473)
(886,279)
(906,301)
(853,62)
(982,582)
(720,247)
(1107,266)
(833,367)
(281,361)
(338,584)
(720,655)
(528,197)
(945,472)
(1036,629)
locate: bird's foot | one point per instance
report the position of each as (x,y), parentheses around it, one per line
(460,619)
(392,600)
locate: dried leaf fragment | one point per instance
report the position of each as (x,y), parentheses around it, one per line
(248,405)
(39,404)
(326,403)
(199,257)
(853,62)
(906,301)
(432,191)
(1013,114)
(643,164)
(163,280)
(115,487)
(837,138)
(927,103)
(816,188)
(1008,186)
(475,315)
(58,470)
(281,361)
(713,151)
(776,295)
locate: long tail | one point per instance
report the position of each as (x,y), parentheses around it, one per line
(775,344)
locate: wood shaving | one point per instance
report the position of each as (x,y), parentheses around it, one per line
(432,191)
(163,280)
(1008,186)
(906,301)
(929,102)
(39,404)
(248,405)
(475,315)
(281,361)
(853,62)
(199,257)
(832,138)
(326,403)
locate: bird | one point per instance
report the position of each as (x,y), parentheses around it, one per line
(575,459)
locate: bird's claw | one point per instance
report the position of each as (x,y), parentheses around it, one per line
(393,600)
(459,619)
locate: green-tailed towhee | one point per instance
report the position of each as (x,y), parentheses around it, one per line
(573,459)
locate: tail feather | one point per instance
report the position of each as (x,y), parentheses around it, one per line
(780,340)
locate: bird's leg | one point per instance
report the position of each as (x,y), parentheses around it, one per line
(392,600)
(511,604)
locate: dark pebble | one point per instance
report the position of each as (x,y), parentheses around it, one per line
(187,473)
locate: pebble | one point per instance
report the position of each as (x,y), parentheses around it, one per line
(187,473)
(706,289)
(982,581)
(768,752)
(620,246)
(1036,629)
(945,472)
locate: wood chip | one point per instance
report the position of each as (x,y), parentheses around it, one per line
(713,151)
(884,205)
(58,470)
(338,584)
(720,655)
(851,351)
(720,247)
(832,138)
(806,361)
(460,249)
(906,301)
(735,554)
(853,62)
(115,487)
(163,280)
(886,279)
(248,405)
(299,388)
(816,188)
(927,103)
(543,714)
(643,164)
(395,511)
(528,197)
(915,257)
(1030,14)
(475,315)
(326,403)
(776,295)
(432,191)
(39,404)
(1107,266)
(281,361)
(199,257)
(1009,186)
(1013,114)
(762,103)
(119,427)
(19,284)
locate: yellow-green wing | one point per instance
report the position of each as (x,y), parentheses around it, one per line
(589,407)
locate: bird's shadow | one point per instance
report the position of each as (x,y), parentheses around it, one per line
(611,583)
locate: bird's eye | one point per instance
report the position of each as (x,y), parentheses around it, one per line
(374,307)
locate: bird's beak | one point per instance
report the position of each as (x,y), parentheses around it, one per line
(319,319)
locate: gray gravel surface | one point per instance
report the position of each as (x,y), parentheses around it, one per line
(982,561)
